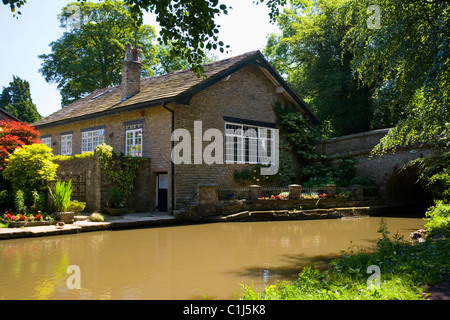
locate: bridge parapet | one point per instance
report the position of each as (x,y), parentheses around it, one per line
(382,170)
(356,143)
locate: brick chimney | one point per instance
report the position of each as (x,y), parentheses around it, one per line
(131,73)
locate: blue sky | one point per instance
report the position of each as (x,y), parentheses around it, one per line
(244,28)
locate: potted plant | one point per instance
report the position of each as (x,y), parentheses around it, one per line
(61,199)
(115,205)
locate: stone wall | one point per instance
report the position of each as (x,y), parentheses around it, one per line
(209,208)
(98,186)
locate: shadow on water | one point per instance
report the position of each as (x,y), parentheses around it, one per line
(287,272)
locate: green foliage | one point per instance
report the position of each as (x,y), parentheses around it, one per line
(363,181)
(19,202)
(16,99)
(76,206)
(96,217)
(310,54)
(408,56)
(115,198)
(88,56)
(29,168)
(120,170)
(84,155)
(61,195)
(296,146)
(249,176)
(189,25)
(438,219)
(39,202)
(345,171)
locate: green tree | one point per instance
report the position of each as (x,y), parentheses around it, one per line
(168,62)
(16,99)
(309,53)
(88,55)
(188,24)
(409,53)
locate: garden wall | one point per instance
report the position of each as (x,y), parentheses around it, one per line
(210,207)
(97,186)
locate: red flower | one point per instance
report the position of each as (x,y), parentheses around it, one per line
(38,216)
(278,196)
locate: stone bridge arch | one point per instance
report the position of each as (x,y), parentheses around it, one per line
(397,186)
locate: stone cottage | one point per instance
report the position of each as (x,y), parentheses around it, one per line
(140,116)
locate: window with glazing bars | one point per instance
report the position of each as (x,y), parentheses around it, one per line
(247,144)
(66,145)
(133,142)
(91,139)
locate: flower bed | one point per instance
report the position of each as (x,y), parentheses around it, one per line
(302,197)
(28,220)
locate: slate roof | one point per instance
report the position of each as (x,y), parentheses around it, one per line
(178,86)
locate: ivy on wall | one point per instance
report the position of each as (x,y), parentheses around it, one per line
(120,170)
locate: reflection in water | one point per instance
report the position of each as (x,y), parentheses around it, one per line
(182,262)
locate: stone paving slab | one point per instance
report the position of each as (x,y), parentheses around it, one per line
(132,220)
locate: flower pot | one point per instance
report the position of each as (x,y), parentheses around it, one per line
(66,217)
(116,211)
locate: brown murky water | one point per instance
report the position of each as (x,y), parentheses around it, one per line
(181,262)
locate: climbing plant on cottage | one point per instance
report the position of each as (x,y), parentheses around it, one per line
(120,170)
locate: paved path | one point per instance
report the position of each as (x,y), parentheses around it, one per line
(133,220)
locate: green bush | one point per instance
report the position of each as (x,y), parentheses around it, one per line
(96,217)
(29,168)
(76,206)
(438,219)
(115,199)
(363,181)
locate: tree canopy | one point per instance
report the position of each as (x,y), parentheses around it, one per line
(310,54)
(408,55)
(16,99)
(88,55)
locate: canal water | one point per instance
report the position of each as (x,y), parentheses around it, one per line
(180,262)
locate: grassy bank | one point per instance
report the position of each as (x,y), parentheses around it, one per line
(405,270)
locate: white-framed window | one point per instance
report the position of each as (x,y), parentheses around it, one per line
(91,139)
(248,144)
(66,144)
(47,141)
(133,140)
